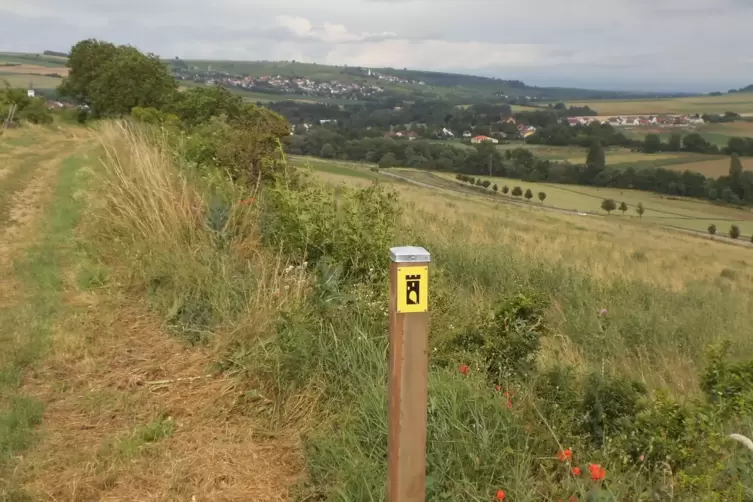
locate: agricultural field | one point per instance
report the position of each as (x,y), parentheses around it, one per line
(615,156)
(32,59)
(24,81)
(682,213)
(718,134)
(737,102)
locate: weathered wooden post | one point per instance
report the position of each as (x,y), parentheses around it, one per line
(408,377)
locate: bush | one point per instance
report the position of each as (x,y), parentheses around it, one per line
(734,232)
(712,229)
(529,194)
(354,228)
(509,340)
(505,189)
(517,192)
(486,183)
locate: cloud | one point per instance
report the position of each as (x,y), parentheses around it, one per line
(648,44)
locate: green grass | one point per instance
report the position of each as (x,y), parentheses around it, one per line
(336,167)
(36,81)
(25,329)
(738,102)
(27,58)
(311,335)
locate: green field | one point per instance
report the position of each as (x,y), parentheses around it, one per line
(685,213)
(718,134)
(33,59)
(35,81)
(737,102)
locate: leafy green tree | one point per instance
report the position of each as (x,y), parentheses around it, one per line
(486,183)
(529,194)
(542,196)
(608,205)
(495,187)
(623,207)
(675,142)
(517,192)
(199,104)
(505,189)
(652,143)
(734,231)
(640,209)
(596,158)
(712,229)
(388,160)
(328,151)
(114,79)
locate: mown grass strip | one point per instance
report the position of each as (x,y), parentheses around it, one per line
(25,330)
(15,181)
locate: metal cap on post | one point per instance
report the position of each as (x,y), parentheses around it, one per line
(408,374)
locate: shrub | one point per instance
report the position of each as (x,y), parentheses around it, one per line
(517,192)
(352,227)
(542,196)
(486,183)
(495,187)
(505,189)
(529,194)
(712,229)
(623,207)
(734,231)
(509,340)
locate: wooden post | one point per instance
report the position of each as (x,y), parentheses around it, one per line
(408,377)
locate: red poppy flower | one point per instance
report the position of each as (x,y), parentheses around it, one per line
(573,498)
(501,495)
(597,472)
(498,388)
(464,369)
(509,403)
(576,471)
(565,455)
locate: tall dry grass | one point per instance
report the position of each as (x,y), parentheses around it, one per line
(190,241)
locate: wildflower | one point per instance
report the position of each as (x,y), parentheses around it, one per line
(573,498)
(576,471)
(464,369)
(565,455)
(597,472)
(498,388)
(501,495)
(641,458)
(602,312)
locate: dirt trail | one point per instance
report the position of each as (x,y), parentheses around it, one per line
(131,413)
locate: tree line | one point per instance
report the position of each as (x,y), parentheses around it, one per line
(521,163)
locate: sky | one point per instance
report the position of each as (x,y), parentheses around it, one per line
(650,45)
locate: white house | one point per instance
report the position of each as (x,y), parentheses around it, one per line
(30,93)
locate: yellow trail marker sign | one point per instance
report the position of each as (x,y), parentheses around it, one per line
(412,289)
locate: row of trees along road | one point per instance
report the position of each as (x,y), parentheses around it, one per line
(332,141)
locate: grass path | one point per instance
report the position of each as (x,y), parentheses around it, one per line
(97,401)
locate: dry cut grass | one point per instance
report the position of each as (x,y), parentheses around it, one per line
(134,406)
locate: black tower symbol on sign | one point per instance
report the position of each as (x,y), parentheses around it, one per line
(413,289)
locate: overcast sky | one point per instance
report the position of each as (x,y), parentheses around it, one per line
(665,45)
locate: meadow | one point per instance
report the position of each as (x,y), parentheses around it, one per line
(676,212)
(25,80)
(737,102)
(282,347)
